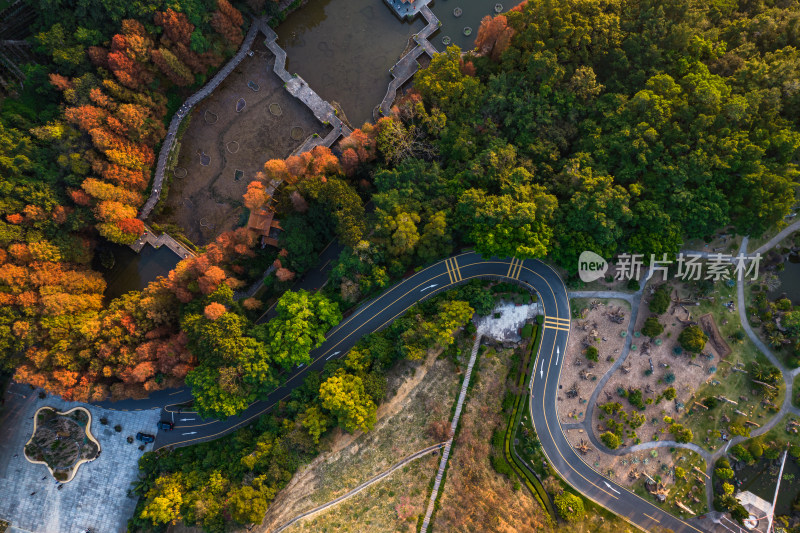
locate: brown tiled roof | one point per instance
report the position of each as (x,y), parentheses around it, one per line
(260,222)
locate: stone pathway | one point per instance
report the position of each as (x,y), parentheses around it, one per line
(453,425)
(207,89)
(407,66)
(619,295)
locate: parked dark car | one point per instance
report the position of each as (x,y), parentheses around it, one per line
(145,437)
(166,425)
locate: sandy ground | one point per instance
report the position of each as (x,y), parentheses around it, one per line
(597,329)
(689,373)
(208,200)
(421,393)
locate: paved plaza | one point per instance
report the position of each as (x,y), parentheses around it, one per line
(96,498)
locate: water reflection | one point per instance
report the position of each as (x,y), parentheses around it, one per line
(132,271)
(455,15)
(344,50)
(790,281)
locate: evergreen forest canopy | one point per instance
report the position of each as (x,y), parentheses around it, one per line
(646,122)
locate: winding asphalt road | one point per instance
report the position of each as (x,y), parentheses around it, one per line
(379,312)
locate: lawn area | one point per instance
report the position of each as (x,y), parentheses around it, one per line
(686,485)
(732,384)
(796,392)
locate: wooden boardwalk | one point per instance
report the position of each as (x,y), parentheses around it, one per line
(149,237)
(407,66)
(294,84)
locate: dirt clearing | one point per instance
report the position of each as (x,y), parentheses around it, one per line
(220,141)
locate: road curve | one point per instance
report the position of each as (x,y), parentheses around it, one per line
(379,312)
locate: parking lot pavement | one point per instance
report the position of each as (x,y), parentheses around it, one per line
(97,497)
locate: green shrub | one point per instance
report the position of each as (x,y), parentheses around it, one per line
(772,453)
(739,429)
(756,450)
(610,440)
(636,420)
(500,465)
(527,331)
(611,408)
(724,473)
(741,453)
(652,327)
(635,398)
(710,402)
(661,299)
(693,339)
(569,506)
(682,434)
(669,393)
(794,451)
(592,353)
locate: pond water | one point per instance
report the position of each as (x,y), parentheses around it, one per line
(790,281)
(762,477)
(344,50)
(471,13)
(132,271)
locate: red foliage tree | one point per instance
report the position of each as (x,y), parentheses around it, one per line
(298,166)
(98,56)
(324,162)
(284,274)
(227,21)
(177,27)
(80,197)
(86,117)
(362,142)
(349,161)
(133,226)
(468,68)
(276,169)
(60,82)
(494,36)
(209,281)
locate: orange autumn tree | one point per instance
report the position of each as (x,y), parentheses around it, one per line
(227,21)
(358,148)
(197,276)
(256,195)
(494,36)
(123,116)
(123,135)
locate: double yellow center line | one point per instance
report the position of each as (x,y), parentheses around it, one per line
(561,324)
(515,268)
(453,272)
